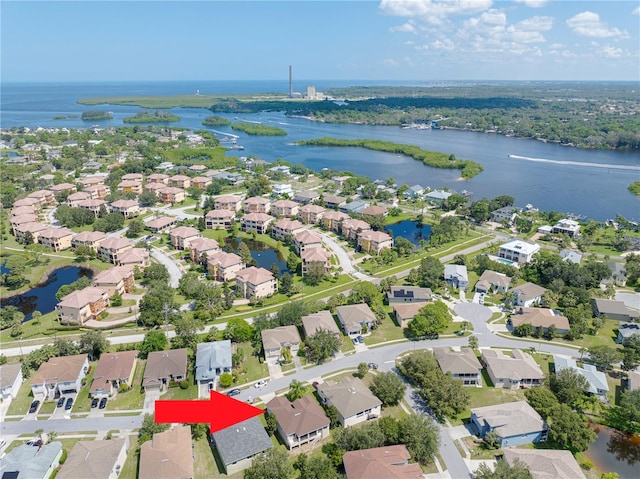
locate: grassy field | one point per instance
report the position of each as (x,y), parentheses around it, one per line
(130,468)
(21,403)
(133,398)
(82,402)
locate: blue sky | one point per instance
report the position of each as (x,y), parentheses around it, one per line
(324,40)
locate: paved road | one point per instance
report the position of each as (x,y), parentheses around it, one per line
(175,272)
(345,260)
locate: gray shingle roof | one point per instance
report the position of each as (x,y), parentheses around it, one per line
(241,441)
(211,356)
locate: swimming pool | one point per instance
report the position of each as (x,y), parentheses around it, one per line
(505,261)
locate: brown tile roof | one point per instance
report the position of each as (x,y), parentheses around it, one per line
(168,455)
(161,222)
(287,224)
(388,462)
(256,200)
(116,243)
(80,298)
(312,209)
(374,210)
(538,317)
(254,275)
(307,237)
(228,199)
(350,396)
(133,256)
(54,233)
(80,195)
(204,244)
(112,367)
(408,310)
(113,275)
(280,337)
(300,417)
(377,236)
(315,255)
(285,204)
(257,217)
(92,459)
(312,323)
(90,236)
(547,464)
(220,214)
(163,364)
(224,259)
(184,232)
(124,204)
(63,368)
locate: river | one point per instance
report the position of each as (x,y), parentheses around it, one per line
(566,183)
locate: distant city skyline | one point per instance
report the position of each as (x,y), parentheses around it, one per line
(400,40)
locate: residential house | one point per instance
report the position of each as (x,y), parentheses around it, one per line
(10,380)
(182,236)
(111,248)
(567,227)
(571,256)
(128,208)
(199,169)
(219,219)
(228,202)
(311,214)
(286,228)
(333,202)
(59,375)
(97,192)
(545,463)
(437,196)
(32,202)
(161,224)
(90,239)
(96,206)
(405,312)
(618,274)
(163,367)
(26,461)
(113,371)
(82,305)
(389,462)
(62,187)
(212,359)
(512,372)
(132,177)
(201,182)
(134,257)
(506,214)
(45,197)
(158,178)
(614,309)
(518,251)
(492,282)
(256,283)
(284,208)
(305,197)
(315,256)
(515,423)
(57,239)
(275,340)
(200,246)
(374,210)
(156,188)
(300,422)
(21,231)
(633,382)
(24,210)
(119,279)
(455,275)
(168,455)
(374,241)
(353,400)
(350,228)
(408,294)
(462,365)
(232,178)
(596,380)
(258,222)
(527,294)
(352,207)
(414,192)
(282,189)
(130,186)
(239,444)
(257,204)
(171,194)
(223,266)
(75,198)
(305,240)
(626,331)
(332,220)
(540,318)
(91,181)
(355,317)
(322,320)
(180,181)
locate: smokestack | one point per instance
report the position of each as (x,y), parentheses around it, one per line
(290,81)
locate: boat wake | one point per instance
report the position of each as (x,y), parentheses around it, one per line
(577,163)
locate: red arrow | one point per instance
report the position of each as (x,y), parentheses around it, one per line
(221,411)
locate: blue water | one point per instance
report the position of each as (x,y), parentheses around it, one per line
(411,230)
(43,298)
(264,255)
(579,189)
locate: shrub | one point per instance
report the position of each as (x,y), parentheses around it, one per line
(226,379)
(184,384)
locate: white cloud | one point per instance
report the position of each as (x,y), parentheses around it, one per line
(612,52)
(588,24)
(405,27)
(389,62)
(444,44)
(636,11)
(533,3)
(433,11)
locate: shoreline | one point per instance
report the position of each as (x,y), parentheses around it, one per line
(45,277)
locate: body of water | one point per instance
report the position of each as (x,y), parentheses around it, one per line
(411,230)
(614,451)
(43,298)
(565,183)
(262,253)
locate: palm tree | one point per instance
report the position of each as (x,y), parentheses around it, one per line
(296,390)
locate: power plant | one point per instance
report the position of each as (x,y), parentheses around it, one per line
(290,81)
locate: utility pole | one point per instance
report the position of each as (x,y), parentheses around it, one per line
(165,310)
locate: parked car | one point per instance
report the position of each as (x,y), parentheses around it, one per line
(103,403)
(262,383)
(372,366)
(34,406)
(69,404)
(210,386)
(250,400)
(61,401)
(94,402)
(360,339)
(233,392)
(355,341)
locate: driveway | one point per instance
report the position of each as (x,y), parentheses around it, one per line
(150,398)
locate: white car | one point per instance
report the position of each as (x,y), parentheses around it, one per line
(262,383)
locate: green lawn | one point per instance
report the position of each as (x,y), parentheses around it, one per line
(20,405)
(387,331)
(487,395)
(204,465)
(130,468)
(178,393)
(47,408)
(82,402)
(255,369)
(133,398)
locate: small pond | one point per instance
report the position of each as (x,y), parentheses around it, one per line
(43,297)
(411,230)
(614,451)
(264,254)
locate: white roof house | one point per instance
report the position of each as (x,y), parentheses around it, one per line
(518,251)
(597,380)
